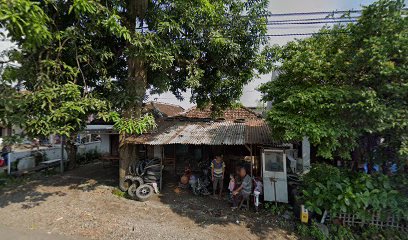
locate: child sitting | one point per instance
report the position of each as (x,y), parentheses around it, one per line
(231,186)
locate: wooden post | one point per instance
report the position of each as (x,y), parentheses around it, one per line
(161,166)
(249,148)
(62,155)
(252,161)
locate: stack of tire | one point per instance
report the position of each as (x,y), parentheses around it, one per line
(140,181)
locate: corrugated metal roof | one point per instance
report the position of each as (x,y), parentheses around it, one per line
(207,133)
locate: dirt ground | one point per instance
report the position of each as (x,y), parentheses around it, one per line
(80,204)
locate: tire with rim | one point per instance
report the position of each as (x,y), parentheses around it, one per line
(144,192)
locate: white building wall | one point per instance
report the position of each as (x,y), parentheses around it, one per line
(105,143)
(89,147)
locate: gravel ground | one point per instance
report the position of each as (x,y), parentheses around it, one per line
(80,203)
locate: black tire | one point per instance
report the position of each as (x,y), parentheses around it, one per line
(131,169)
(132,191)
(150,181)
(153,164)
(151,173)
(140,170)
(154,167)
(144,192)
(154,178)
(137,180)
(125,183)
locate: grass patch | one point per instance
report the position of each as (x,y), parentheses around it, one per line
(6,180)
(119,193)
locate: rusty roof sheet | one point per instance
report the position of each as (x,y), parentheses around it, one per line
(207,133)
(167,109)
(227,114)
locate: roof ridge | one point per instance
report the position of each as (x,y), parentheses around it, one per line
(164,103)
(251,111)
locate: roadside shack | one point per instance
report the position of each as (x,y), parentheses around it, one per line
(194,136)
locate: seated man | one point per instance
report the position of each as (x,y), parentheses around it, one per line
(5,153)
(244,190)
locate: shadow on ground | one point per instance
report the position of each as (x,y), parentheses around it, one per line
(28,190)
(206,211)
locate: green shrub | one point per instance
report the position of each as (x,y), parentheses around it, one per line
(375,233)
(327,188)
(88,157)
(311,231)
(275,209)
(303,230)
(338,232)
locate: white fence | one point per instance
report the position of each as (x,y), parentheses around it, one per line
(26,160)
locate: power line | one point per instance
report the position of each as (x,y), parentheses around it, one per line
(311,13)
(294,27)
(295,22)
(315,22)
(316,19)
(302,21)
(316,13)
(305,34)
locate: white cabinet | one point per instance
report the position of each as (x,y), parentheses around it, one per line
(274,175)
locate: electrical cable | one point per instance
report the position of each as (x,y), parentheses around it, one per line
(295,22)
(311,13)
(315,19)
(316,22)
(305,34)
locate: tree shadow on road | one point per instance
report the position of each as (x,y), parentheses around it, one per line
(29,190)
(203,211)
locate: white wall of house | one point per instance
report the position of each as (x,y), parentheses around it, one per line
(105,143)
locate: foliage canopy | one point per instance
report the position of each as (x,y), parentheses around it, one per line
(88,46)
(346,88)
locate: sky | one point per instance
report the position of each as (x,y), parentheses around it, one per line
(250,95)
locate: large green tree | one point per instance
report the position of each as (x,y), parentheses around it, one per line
(346,88)
(113,51)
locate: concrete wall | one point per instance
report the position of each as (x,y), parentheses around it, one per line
(26,159)
(90,146)
(50,153)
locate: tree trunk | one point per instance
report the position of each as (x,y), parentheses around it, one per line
(135,88)
(71,149)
